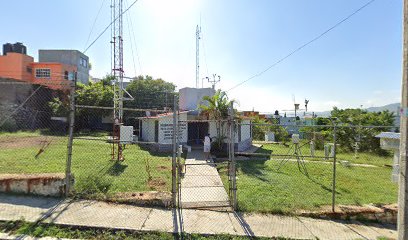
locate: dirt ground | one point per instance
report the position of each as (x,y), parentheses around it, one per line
(21,142)
(157,184)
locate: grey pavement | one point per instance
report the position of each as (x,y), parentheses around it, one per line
(201,186)
(119,216)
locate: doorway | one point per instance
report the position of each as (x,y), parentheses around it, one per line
(197,132)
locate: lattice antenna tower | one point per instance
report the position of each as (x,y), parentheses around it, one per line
(118,74)
(198,37)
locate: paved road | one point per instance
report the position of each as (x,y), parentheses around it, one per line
(201,185)
(117,216)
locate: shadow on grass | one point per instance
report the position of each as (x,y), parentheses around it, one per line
(149,148)
(310,177)
(327,188)
(254,168)
(264,151)
(116,169)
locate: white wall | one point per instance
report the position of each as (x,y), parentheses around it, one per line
(166,129)
(191,98)
(212,129)
(245,130)
(148,129)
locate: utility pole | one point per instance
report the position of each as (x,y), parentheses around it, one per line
(402,194)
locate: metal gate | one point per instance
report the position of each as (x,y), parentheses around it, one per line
(202,181)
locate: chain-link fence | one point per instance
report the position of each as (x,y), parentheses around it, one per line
(201,185)
(127,160)
(33,136)
(159,155)
(296,168)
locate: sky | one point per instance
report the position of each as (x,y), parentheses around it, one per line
(356,64)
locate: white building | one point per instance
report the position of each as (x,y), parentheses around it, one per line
(158,130)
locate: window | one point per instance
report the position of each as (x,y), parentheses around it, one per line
(29,69)
(83,62)
(42,73)
(66,75)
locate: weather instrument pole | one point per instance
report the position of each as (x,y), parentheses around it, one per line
(215,79)
(297,153)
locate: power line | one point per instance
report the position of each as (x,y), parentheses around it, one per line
(136,49)
(304,45)
(205,53)
(110,24)
(131,42)
(93,25)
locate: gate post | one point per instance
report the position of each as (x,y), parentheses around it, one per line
(232,169)
(174,158)
(334,166)
(71,136)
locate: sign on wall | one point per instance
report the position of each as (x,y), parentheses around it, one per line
(166,132)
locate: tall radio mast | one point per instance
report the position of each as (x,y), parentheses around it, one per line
(117,73)
(198,37)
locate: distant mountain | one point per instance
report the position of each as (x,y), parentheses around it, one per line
(323,114)
(393,107)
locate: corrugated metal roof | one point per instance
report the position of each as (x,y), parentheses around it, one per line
(161,115)
(391,135)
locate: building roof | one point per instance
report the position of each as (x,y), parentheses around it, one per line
(390,135)
(161,115)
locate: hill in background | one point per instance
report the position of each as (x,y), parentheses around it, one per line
(393,107)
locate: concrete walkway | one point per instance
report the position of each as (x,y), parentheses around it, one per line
(117,216)
(201,186)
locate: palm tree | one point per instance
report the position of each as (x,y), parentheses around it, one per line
(217,109)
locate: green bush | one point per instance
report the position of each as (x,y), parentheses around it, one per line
(9,126)
(219,148)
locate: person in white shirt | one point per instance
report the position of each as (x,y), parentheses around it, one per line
(207,146)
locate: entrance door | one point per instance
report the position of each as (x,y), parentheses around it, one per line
(197,132)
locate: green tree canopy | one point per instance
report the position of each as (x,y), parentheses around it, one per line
(364,126)
(150,93)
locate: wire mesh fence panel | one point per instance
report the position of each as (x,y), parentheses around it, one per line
(32,133)
(201,185)
(366,172)
(33,138)
(124,162)
(290,168)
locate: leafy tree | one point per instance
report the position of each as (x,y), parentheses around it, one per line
(59,107)
(94,94)
(261,126)
(360,120)
(150,93)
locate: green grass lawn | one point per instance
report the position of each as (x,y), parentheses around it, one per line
(261,188)
(91,164)
(362,158)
